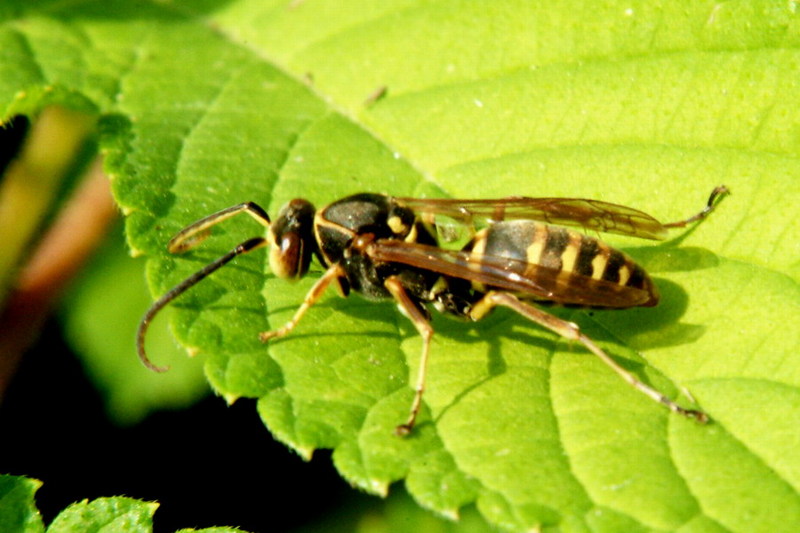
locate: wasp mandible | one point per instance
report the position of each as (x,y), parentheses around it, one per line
(386,247)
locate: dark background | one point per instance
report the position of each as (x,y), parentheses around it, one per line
(211,465)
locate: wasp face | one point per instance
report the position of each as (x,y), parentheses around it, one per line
(291,239)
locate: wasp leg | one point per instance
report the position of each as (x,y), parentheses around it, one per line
(716,194)
(410,309)
(312,297)
(183,286)
(195,233)
(571,331)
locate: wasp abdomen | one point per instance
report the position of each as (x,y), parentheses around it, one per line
(562,259)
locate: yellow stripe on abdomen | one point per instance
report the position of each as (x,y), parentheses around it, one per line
(570,256)
(600,261)
(536,249)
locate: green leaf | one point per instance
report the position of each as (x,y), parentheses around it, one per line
(18,513)
(205,105)
(105,515)
(17,509)
(213,530)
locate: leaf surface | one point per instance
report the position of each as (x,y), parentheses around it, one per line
(17,509)
(105,515)
(18,512)
(208,104)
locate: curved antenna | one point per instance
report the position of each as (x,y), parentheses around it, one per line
(195,233)
(183,286)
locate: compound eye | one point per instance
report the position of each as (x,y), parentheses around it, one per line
(286,257)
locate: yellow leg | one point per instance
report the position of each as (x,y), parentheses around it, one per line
(571,331)
(420,321)
(311,298)
(716,194)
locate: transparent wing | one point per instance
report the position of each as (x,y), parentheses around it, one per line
(539,282)
(593,215)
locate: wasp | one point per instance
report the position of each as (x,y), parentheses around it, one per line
(385,247)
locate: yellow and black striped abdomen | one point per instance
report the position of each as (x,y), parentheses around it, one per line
(571,268)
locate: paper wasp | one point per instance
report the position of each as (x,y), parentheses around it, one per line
(385,247)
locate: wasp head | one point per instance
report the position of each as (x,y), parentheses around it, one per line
(291,239)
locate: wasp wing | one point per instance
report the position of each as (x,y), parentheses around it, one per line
(537,282)
(593,215)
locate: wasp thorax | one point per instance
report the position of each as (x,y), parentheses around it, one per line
(291,240)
